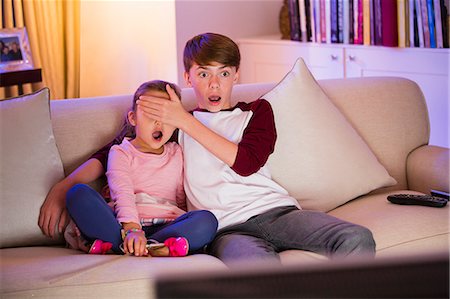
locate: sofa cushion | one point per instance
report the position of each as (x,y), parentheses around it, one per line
(399,229)
(319,157)
(30,166)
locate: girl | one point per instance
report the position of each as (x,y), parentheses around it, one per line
(145,178)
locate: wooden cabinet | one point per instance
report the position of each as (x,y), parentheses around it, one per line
(268,59)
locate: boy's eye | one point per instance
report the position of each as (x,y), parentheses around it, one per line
(203,75)
(225,73)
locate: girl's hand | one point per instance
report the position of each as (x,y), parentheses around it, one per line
(168,111)
(135,243)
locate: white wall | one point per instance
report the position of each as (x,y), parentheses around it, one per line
(124,43)
(234,18)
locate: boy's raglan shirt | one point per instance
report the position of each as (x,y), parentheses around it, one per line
(144,185)
(234,194)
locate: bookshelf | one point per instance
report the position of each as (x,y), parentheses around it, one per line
(269,58)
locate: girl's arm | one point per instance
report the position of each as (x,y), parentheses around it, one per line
(53,211)
(122,193)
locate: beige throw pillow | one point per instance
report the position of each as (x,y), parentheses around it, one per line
(30,165)
(319,158)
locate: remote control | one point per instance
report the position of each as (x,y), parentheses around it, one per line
(414,199)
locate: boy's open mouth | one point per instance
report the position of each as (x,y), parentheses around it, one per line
(157,135)
(214,99)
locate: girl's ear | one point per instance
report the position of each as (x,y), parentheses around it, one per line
(131,118)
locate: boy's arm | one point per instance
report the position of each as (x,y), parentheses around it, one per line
(245,158)
(53,211)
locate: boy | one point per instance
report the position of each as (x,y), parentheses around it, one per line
(225,151)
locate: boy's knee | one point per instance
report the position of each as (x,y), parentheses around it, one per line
(359,240)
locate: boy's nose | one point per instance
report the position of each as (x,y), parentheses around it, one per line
(214,83)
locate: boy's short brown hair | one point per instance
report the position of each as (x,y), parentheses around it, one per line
(211,47)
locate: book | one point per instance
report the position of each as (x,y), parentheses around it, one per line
(334,21)
(328,20)
(351,31)
(317,21)
(340,21)
(372,23)
(418,16)
(294,19)
(355,22)
(366,22)
(431,23)
(438,24)
(302,17)
(312,21)
(407,44)
(445,22)
(360,22)
(378,23)
(308,20)
(412,24)
(401,21)
(426,27)
(323,26)
(346,17)
(389,36)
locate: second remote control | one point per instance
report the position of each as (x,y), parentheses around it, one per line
(415,199)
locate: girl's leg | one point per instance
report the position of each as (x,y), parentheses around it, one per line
(198,227)
(93,216)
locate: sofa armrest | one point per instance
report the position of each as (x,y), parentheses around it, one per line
(427,168)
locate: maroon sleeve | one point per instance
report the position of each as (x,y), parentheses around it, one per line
(258,140)
(102,154)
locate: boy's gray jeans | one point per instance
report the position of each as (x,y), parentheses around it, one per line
(264,236)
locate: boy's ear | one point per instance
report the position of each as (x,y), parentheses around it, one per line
(131,118)
(187,79)
(236,76)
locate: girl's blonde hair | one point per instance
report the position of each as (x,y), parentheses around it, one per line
(127,129)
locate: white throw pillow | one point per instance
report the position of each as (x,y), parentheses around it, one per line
(319,158)
(30,165)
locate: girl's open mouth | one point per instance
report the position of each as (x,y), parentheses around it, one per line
(157,135)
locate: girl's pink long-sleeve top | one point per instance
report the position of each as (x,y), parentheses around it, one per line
(131,173)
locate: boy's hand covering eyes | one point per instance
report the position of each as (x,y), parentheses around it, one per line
(168,111)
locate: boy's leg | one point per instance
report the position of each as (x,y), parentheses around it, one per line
(93,216)
(232,248)
(291,228)
(198,227)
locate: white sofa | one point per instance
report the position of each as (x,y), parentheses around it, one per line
(389,114)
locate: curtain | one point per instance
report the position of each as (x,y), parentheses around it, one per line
(53,32)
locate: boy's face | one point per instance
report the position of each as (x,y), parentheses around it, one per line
(212,84)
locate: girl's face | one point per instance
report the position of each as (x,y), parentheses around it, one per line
(151,135)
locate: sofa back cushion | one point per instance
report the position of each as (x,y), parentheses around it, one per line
(30,165)
(389,114)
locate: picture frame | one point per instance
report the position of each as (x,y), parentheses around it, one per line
(15,50)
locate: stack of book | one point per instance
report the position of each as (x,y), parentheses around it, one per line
(392,23)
